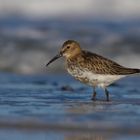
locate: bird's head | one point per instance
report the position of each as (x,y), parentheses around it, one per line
(69,49)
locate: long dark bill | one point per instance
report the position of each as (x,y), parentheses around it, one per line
(53,59)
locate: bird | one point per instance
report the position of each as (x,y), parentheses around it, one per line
(91,68)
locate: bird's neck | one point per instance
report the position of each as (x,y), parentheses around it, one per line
(75,58)
(74,55)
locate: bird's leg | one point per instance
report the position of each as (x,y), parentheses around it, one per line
(107,94)
(93,95)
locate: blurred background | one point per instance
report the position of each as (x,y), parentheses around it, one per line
(48,104)
(32,31)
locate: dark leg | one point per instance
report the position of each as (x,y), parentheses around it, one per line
(94,95)
(107,94)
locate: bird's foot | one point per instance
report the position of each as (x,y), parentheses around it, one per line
(107,100)
(93,99)
(94,96)
(107,95)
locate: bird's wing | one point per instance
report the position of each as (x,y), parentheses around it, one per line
(100,65)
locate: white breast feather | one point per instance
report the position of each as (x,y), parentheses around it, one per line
(101,80)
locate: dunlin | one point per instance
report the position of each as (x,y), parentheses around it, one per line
(91,68)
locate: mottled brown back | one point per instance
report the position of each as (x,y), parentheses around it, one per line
(100,65)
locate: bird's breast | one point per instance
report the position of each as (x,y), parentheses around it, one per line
(90,78)
(74,70)
(79,73)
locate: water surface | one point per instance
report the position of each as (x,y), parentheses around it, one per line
(58,107)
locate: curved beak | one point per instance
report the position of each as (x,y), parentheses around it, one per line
(54,58)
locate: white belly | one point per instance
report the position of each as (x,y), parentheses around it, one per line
(100,80)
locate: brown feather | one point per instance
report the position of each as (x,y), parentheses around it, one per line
(100,65)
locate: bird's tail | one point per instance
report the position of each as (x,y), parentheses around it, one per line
(137,70)
(131,71)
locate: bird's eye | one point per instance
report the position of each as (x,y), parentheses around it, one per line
(68,47)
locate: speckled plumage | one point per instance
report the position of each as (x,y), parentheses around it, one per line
(99,65)
(91,68)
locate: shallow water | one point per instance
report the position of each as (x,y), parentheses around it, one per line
(58,107)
